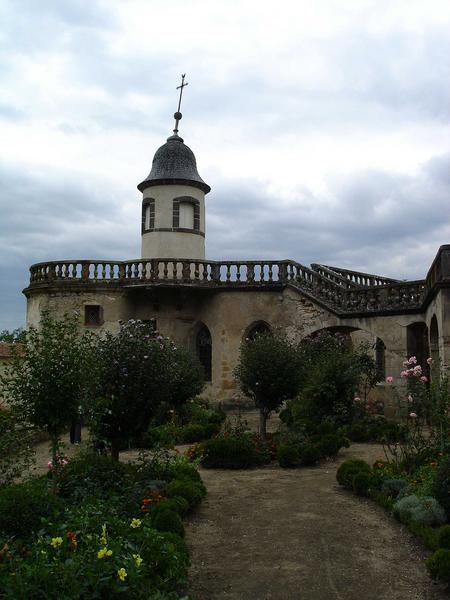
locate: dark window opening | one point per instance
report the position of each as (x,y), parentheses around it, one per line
(204,351)
(380,358)
(93,315)
(151,322)
(259,328)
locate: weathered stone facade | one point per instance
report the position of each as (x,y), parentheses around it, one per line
(212,306)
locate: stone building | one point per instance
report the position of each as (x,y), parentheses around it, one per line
(211,306)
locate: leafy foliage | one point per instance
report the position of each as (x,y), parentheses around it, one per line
(441,485)
(51,376)
(438,564)
(268,372)
(349,469)
(426,511)
(16,440)
(141,370)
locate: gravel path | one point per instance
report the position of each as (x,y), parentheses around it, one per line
(279,534)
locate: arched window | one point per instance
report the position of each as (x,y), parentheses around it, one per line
(204,350)
(148,214)
(186,213)
(380,358)
(257,328)
(434,346)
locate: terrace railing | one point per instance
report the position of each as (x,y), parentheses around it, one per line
(328,287)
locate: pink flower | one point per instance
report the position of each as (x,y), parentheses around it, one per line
(406,363)
(413,415)
(417,370)
(424,379)
(404,374)
(356,399)
(430,361)
(389,379)
(412,360)
(410,398)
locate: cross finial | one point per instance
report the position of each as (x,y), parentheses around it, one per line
(177,116)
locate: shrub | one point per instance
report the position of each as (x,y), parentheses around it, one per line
(426,511)
(164,519)
(288,456)
(439,565)
(24,505)
(349,469)
(192,491)
(182,469)
(310,455)
(361,483)
(393,487)
(92,475)
(441,485)
(166,435)
(444,537)
(330,444)
(229,453)
(198,432)
(177,503)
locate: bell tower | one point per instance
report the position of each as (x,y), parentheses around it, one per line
(173,205)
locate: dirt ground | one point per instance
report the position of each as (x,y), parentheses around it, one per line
(279,534)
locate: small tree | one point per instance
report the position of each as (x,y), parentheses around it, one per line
(268,372)
(140,371)
(50,376)
(11,337)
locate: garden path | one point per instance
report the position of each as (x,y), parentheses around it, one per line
(279,534)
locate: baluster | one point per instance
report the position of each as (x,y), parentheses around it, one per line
(165,269)
(270,272)
(238,272)
(228,275)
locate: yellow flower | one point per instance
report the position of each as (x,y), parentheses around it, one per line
(104,552)
(135,523)
(122,574)
(56,541)
(103,538)
(138,560)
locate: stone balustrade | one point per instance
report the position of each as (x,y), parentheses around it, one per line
(328,287)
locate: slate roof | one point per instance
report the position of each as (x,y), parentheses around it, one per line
(174,163)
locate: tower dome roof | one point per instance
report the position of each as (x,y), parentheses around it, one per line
(174,163)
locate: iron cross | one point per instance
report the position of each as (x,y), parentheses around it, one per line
(178,115)
(180,87)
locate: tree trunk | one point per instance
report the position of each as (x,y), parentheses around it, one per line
(115,450)
(263,415)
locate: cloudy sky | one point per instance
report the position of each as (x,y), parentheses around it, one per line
(322,127)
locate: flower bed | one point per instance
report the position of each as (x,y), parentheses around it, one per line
(112,531)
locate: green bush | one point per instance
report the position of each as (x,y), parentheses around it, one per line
(439,565)
(198,432)
(166,435)
(288,456)
(24,505)
(393,487)
(229,453)
(91,475)
(177,503)
(310,455)
(330,444)
(349,469)
(441,485)
(426,511)
(362,482)
(164,519)
(182,470)
(444,537)
(192,491)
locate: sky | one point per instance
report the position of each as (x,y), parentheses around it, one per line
(323,129)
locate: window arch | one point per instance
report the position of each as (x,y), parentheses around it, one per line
(203,346)
(257,328)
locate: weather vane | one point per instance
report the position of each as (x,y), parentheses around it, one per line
(178,116)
